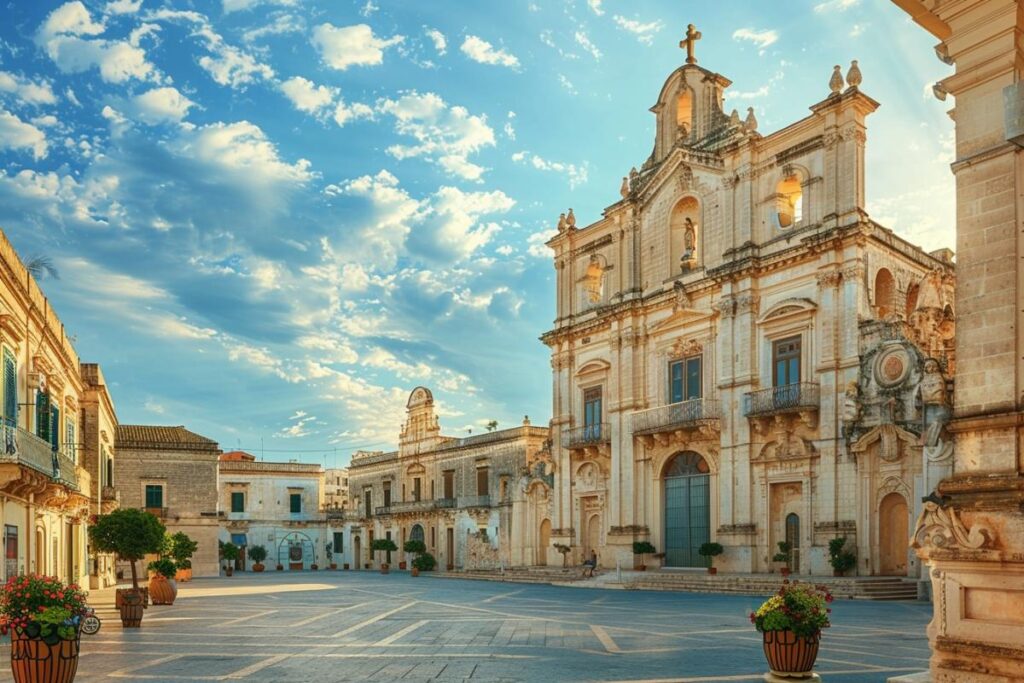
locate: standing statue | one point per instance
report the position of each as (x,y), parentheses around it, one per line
(561,222)
(689,238)
(934,402)
(851,408)
(570,220)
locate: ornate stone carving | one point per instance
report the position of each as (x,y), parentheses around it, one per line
(939,526)
(747,303)
(931,392)
(680,300)
(561,222)
(690,347)
(727,306)
(835,84)
(853,76)
(851,408)
(829,278)
(570,220)
(751,120)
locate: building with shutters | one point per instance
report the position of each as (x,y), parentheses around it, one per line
(97,455)
(336,488)
(741,354)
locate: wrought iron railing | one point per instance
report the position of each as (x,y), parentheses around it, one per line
(474,501)
(782,399)
(29,450)
(415,506)
(682,414)
(64,470)
(587,435)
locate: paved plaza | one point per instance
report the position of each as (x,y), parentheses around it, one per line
(354,626)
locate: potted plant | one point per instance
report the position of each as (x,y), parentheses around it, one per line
(182,548)
(383,545)
(42,616)
(162,589)
(345,566)
(280,567)
(791,622)
(561,548)
(257,554)
(842,560)
(711,550)
(329,552)
(417,548)
(130,534)
(424,562)
(229,552)
(784,557)
(642,548)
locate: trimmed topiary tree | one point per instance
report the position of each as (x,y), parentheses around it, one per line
(643,548)
(257,554)
(129,534)
(711,550)
(385,545)
(424,562)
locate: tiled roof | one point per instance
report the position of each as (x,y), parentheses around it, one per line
(232,456)
(157,437)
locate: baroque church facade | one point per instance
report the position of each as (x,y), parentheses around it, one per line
(741,354)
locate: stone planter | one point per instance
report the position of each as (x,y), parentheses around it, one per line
(790,655)
(229,571)
(36,661)
(295,567)
(130,603)
(162,591)
(384,569)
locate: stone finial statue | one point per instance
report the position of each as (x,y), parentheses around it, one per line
(854,76)
(934,402)
(526,420)
(835,84)
(570,220)
(689,238)
(633,176)
(734,118)
(751,122)
(680,300)
(624,188)
(561,222)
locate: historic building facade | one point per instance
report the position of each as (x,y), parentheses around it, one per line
(741,354)
(479,502)
(276,505)
(336,488)
(172,473)
(98,431)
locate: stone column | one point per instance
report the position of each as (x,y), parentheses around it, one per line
(971,532)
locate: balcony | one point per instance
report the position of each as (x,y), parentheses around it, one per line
(28,450)
(675,416)
(587,436)
(160,513)
(64,470)
(474,502)
(416,506)
(790,398)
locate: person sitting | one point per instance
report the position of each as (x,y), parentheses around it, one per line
(590,565)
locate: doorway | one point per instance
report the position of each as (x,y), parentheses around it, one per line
(593,537)
(687,497)
(450,548)
(793,539)
(893,535)
(357,552)
(543,542)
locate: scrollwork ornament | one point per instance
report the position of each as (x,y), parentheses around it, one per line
(940,527)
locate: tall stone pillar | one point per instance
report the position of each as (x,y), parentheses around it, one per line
(971,531)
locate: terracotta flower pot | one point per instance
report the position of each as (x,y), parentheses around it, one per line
(295,566)
(333,566)
(712,570)
(345,566)
(314,566)
(229,571)
(415,571)
(785,571)
(790,655)
(258,567)
(34,661)
(130,603)
(384,569)
(280,567)
(162,591)
(183,575)
(401,565)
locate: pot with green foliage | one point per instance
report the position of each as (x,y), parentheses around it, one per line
(162,588)
(384,545)
(257,554)
(229,552)
(424,562)
(784,558)
(790,623)
(329,552)
(130,534)
(643,548)
(181,550)
(711,550)
(842,560)
(416,548)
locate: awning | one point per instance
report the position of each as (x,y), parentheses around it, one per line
(238,539)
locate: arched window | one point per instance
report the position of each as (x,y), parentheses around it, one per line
(885,294)
(686,464)
(912,293)
(684,113)
(416,533)
(789,202)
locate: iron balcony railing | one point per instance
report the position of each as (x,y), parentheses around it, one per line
(587,435)
(416,506)
(29,450)
(64,470)
(675,415)
(782,399)
(474,501)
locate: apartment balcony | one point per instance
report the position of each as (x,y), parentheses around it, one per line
(39,464)
(414,506)
(695,414)
(64,470)
(790,398)
(160,513)
(587,436)
(474,502)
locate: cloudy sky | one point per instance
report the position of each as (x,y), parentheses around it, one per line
(272,218)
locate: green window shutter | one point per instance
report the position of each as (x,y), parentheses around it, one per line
(237,501)
(154,496)
(339,542)
(54,429)
(10,390)
(296,502)
(43,415)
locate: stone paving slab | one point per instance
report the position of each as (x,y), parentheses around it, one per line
(361,626)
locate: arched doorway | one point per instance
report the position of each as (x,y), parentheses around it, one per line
(543,541)
(687,509)
(296,551)
(592,539)
(893,535)
(357,552)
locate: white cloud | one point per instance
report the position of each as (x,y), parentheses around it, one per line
(29,92)
(537,244)
(836,5)
(857,30)
(16,134)
(460,232)
(368,8)
(567,84)
(154,407)
(509,129)
(71,18)
(480,50)
(299,427)
(644,32)
(242,147)
(306,95)
(237,5)
(230,66)
(595,6)
(576,175)
(347,46)
(394,212)
(585,43)
(161,105)
(343,113)
(445,134)
(282,23)
(761,39)
(122,7)
(440,42)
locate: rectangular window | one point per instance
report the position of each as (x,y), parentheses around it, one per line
(10,389)
(592,406)
(296,502)
(786,362)
(43,415)
(449,483)
(10,550)
(339,543)
(482,481)
(387,494)
(367,503)
(416,489)
(154,495)
(685,379)
(237,501)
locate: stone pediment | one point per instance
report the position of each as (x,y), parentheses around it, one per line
(682,317)
(892,442)
(788,307)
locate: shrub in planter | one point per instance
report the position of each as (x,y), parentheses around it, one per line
(560,547)
(791,622)
(784,557)
(424,562)
(383,545)
(130,534)
(345,566)
(643,548)
(257,554)
(229,552)
(329,552)
(42,616)
(416,548)
(181,549)
(711,550)
(162,589)
(842,560)
(280,567)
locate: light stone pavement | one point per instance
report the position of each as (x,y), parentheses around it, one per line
(362,626)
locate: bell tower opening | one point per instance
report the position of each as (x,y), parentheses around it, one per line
(684,113)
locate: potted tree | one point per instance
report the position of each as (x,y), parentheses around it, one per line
(182,548)
(842,560)
(642,548)
(329,552)
(257,554)
(424,562)
(783,558)
(42,616)
(230,553)
(711,550)
(791,622)
(130,534)
(280,567)
(383,545)
(563,550)
(162,589)
(417,548)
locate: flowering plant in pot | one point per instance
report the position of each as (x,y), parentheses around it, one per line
(130,534)
(383,545)
(42,616)
(711,550)
(791,622)
(417,548)
(842,560)
(642,548)
(181,549)
(257,554)
(229,552)
(162,589)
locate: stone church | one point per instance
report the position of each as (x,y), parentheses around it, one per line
(741,354)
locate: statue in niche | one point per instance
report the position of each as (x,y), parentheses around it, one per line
(934,402)
(851,408)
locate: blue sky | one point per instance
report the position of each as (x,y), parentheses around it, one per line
(273,218)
